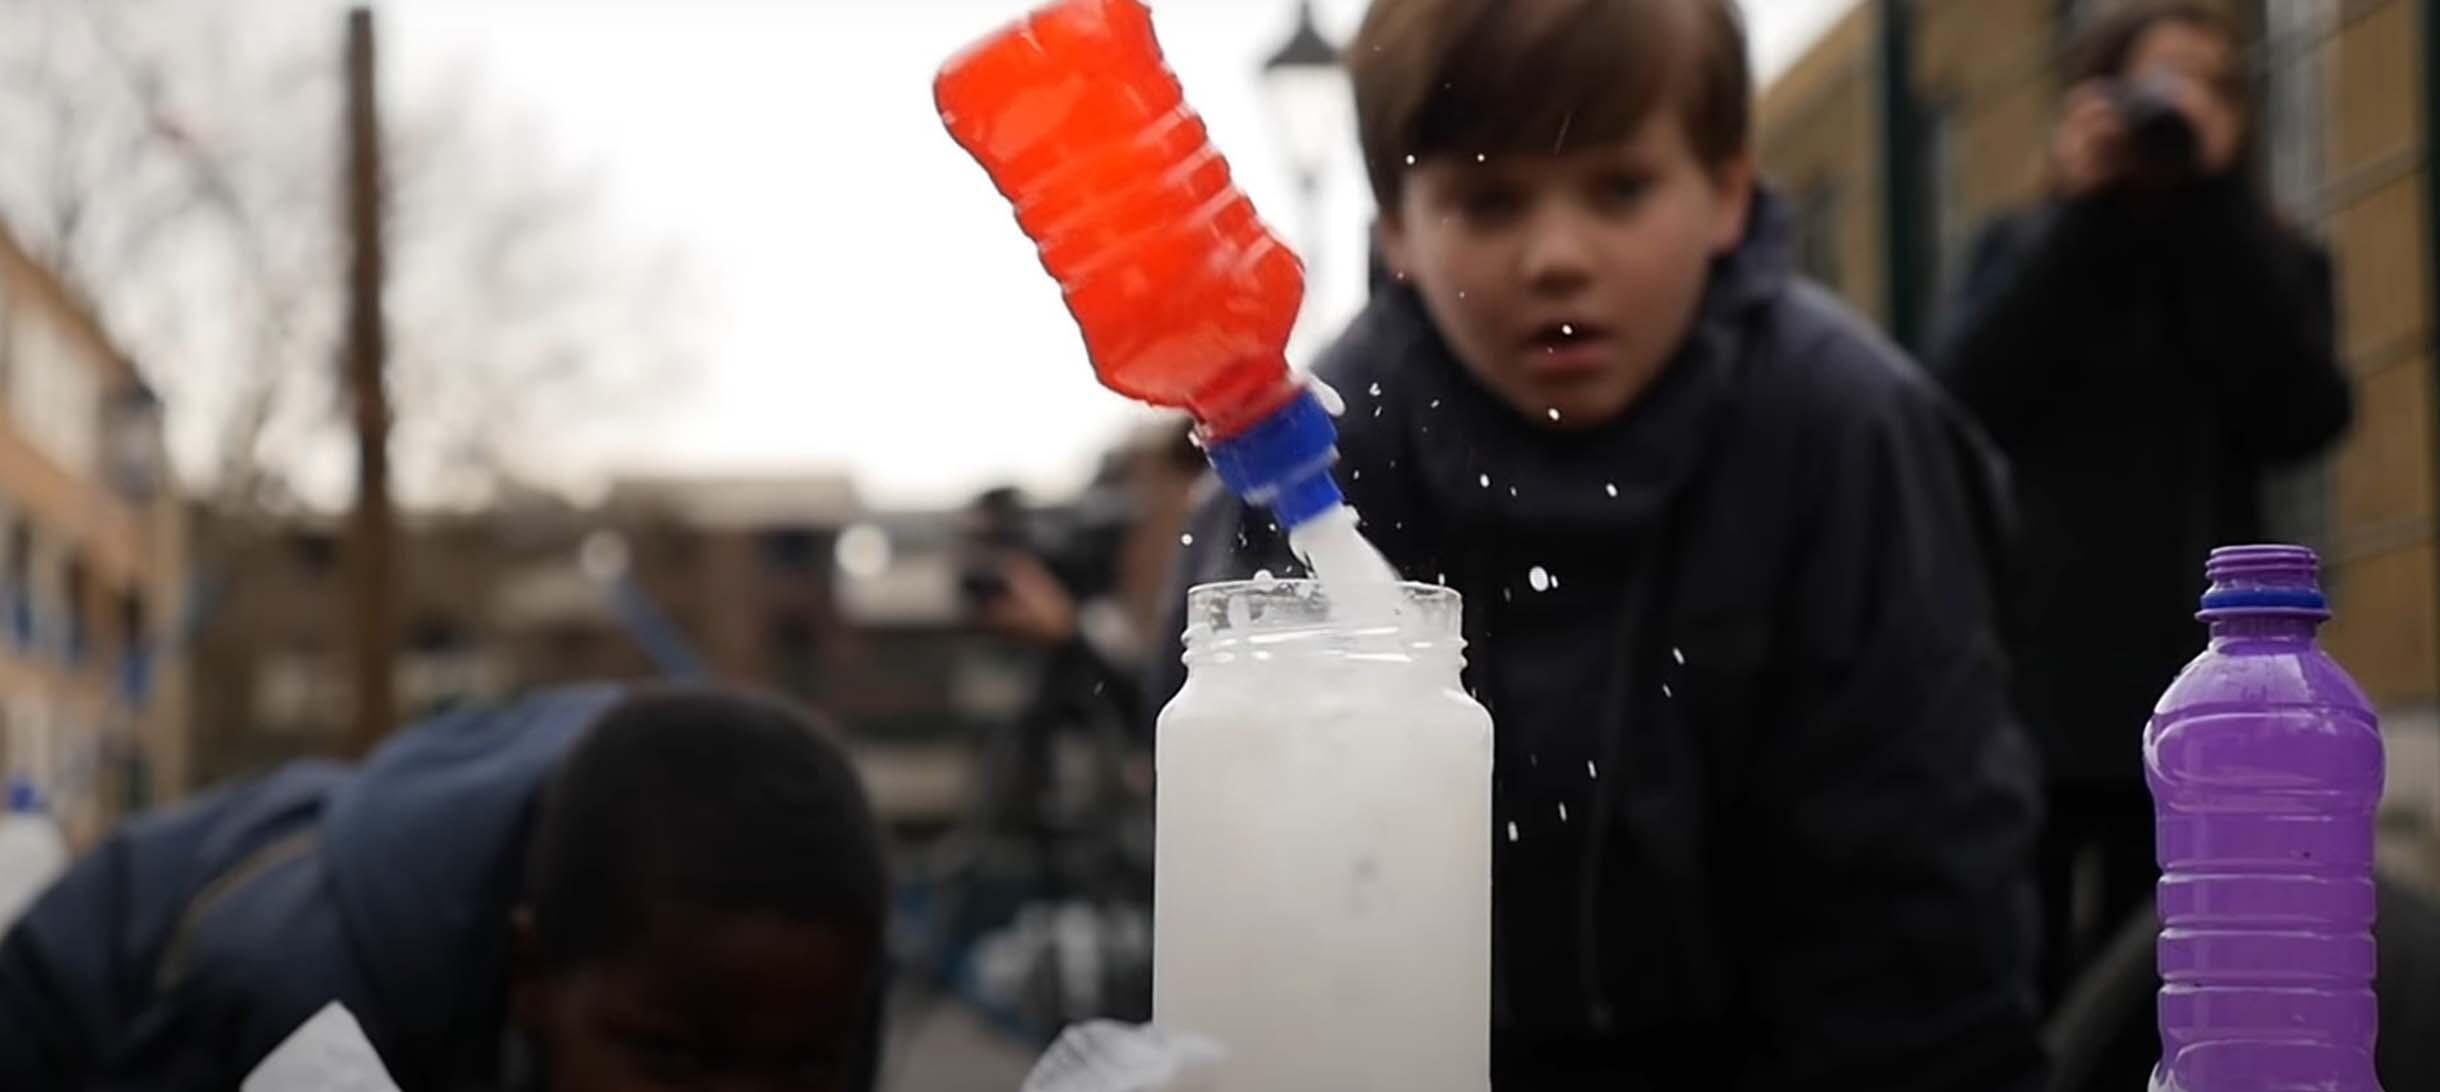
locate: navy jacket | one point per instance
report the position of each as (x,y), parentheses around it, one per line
(193,941)
(1771,816)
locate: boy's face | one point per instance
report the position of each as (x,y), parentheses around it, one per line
(1565,282)
(707,999)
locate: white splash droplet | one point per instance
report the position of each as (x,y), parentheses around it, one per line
(1563,813)
(1567,329)
(1486,480)
(1186,540)
(1410,161)
(1666,692)
(1679,655)
(1613,487)
(1355,475)
(1554,413)
(1512,830)
(1435,403)
(1592,772)
(1375,390)
(1478,157)
(1539,579)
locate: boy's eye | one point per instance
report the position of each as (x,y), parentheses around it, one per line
(1622,188)
(1489,204)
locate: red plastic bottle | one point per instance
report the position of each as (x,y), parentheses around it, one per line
(1185,298)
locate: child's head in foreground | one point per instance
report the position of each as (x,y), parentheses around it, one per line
(1555,178)
(703,903)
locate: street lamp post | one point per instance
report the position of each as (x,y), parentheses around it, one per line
(1307,90)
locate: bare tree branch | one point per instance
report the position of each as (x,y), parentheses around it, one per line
(184,180)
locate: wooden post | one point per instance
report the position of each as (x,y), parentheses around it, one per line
(373,528)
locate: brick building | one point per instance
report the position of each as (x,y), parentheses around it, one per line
(733,574)
(736,578)
(91,562)
(271,679)
(790,582)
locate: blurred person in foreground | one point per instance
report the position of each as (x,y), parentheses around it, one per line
(597,889)
(1765,821)
(2143,345)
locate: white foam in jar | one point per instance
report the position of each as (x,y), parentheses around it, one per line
(1323,851)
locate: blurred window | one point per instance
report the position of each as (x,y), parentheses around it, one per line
(793,550)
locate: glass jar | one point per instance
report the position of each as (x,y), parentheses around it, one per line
(1322,871)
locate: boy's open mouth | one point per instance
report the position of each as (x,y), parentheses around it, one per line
(1567,346)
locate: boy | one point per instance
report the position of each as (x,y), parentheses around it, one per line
(1763,818)
(595,889)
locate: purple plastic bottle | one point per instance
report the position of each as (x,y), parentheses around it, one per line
(2265,765)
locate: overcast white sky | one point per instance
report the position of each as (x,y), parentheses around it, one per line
(873,306)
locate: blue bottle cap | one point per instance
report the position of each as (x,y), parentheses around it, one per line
(23,797)
(1283,462)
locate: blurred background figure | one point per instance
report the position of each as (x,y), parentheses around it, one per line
(2144,345)
(1038,905)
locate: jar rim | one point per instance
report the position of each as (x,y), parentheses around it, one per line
(1306,588)
(1304,603)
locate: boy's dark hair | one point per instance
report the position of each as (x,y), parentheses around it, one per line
(2102,50)
(697,798)
(1491,77)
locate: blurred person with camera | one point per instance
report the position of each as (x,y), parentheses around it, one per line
(1087,584)
(1076,589)
(2143,345)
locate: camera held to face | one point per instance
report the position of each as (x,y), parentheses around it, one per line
(2162,147)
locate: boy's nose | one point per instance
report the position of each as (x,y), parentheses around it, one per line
(1556,261)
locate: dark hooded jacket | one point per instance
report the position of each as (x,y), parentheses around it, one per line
(192,942)
(1762,816)
(2143,360)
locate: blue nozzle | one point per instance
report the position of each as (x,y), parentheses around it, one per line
(23,797)
(1283,462)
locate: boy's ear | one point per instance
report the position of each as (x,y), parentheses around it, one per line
(1733,180)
